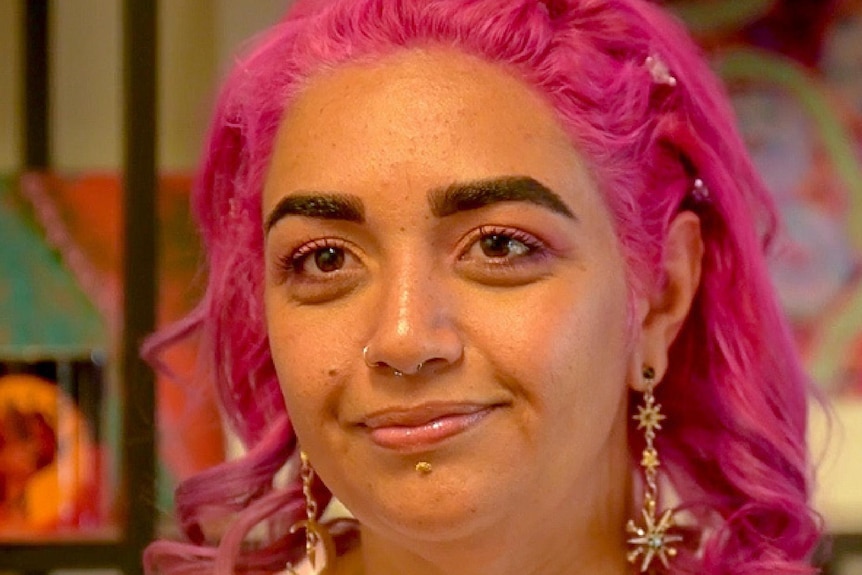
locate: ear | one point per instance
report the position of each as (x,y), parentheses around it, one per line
(662,311)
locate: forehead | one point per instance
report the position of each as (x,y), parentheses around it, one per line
(431,116)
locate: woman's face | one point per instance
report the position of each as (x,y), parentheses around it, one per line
(430,209)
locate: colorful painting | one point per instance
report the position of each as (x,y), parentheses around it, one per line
(61,306)
(50,464)
(82,216)
(794,72)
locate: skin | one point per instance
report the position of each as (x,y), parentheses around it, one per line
(532,327)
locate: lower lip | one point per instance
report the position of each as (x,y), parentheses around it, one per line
(428,434)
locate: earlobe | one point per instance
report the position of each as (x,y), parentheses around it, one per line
(666,308)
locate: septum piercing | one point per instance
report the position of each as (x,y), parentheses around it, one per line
(395,372)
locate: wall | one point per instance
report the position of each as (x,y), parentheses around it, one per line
(9,74)
(197,38)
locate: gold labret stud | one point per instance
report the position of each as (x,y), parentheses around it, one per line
(423,467)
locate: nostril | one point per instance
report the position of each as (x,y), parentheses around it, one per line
(404,360)
(367,362)
(380,364)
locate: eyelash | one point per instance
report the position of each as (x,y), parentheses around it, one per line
(536,248)
(292,262)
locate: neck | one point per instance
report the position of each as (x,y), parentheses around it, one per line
(545,553)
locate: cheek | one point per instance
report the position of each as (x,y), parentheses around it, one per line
(563,354)
(558,326)
(310,361)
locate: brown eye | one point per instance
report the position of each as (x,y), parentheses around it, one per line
(329,259)
(501,246)
(320,270)
(504,257)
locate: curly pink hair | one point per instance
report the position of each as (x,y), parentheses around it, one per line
(735,395)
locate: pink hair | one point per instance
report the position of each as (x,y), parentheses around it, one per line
(733,444)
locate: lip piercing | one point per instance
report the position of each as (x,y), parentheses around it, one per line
(423,467)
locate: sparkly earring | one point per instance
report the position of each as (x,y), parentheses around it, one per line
(315,532)
(700,192)
(651,539)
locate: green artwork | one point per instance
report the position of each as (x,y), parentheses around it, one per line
(43,311)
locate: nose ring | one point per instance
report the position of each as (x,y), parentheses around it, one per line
(395,372)
(365,358)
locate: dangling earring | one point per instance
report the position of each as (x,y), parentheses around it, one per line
(651,539)
(315,532)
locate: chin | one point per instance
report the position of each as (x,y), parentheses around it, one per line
(436,526)
(435,509)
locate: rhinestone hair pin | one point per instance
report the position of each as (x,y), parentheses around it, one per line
(659,71)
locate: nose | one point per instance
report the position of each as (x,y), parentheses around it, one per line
(414,327)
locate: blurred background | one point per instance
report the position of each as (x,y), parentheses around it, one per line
(103,109)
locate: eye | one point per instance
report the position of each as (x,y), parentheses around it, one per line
(501,245)
(502,256)
(319,270)
(327,259)
(318,257)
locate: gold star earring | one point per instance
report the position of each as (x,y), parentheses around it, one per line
(316,532)
(651,539)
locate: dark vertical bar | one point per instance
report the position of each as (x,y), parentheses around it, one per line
(65,380)
(139,273)
(35,99)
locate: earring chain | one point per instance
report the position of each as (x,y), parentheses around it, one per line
(651,539)
(315,532)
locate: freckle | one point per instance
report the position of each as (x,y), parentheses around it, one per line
(332,372)
(401,229)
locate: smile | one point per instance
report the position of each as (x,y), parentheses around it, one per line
(425,426)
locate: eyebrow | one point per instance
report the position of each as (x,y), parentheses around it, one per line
(459,197)
(468,196)
(326,206)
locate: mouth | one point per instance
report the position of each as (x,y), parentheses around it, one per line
(424,426)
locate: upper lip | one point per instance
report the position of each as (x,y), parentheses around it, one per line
(417,415)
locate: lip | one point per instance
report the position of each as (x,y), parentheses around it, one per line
(423,426)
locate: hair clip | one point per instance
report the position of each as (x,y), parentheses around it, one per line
(700,193)
(659,71)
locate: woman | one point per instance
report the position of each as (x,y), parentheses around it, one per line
(495,269)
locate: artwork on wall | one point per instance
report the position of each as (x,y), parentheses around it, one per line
(52,472)
(55,475)
(794,72)
(60,300)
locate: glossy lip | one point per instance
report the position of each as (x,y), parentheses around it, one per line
(422,427)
